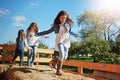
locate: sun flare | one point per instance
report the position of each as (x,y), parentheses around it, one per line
(109,4)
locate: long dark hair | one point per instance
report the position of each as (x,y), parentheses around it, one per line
(57,20)
(21,35)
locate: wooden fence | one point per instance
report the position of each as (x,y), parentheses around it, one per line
(107,71)
(38,59)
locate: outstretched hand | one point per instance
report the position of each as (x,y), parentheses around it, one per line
(46,36)
(77,35)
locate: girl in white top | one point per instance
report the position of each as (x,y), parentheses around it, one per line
(62,27)
(32,42)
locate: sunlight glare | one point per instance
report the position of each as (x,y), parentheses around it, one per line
(109,4)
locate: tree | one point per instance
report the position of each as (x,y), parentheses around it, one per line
(42,45)
(10,42)
(103,24)
(116,47)
(111,24)
(96,34)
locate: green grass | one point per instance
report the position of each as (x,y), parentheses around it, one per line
(70,68)
(87,71)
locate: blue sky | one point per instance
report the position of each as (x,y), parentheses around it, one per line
(18,14)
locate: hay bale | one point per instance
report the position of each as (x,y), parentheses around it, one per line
(40,72)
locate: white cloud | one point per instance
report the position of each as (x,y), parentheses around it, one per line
(3,12)
(19,20)
(34,4)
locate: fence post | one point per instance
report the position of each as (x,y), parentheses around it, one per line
(80,70)
(50,56)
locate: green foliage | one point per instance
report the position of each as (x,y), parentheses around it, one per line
(70,68)
(87,71)
(73,50)
(81,58)
(42,45)
(9,52)
(95,32)
(56,54)
(100,51)
(116,46)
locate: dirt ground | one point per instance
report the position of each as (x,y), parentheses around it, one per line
(40,72)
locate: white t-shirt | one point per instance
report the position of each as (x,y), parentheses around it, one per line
(32,39)
(62,37)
